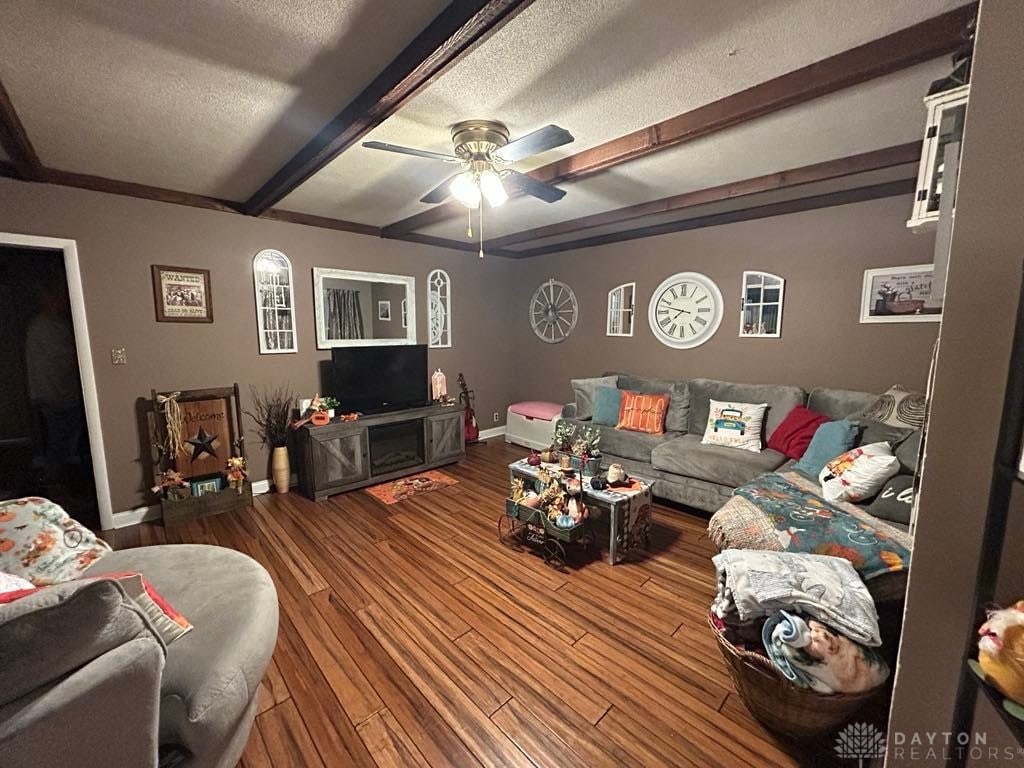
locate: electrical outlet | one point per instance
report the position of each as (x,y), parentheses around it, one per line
(496,417)
(118,356)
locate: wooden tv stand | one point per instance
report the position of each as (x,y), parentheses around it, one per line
(345,455)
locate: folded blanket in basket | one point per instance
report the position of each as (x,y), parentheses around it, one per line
(755,583)
(813,656)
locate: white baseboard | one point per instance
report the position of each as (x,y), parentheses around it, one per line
(136,516)
(487,434)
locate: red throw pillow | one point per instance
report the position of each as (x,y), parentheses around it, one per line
(794,434)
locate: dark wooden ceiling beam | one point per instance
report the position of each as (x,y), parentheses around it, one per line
(879,159)
(809,203)
(899,50)
(456,31)
(15,141)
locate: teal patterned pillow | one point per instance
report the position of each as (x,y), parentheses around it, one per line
(606,405)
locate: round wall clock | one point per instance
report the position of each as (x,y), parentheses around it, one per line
(553,311)
(685,310)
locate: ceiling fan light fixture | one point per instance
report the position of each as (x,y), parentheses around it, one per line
(492,188)
(466,190)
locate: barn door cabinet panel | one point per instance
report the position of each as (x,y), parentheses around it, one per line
(446,436)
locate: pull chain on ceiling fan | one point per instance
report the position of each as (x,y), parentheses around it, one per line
(483,149)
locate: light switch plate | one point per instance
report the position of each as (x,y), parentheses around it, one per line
(119,356)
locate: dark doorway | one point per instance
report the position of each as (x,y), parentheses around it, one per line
(44,443)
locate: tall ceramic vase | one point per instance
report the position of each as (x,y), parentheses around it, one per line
(280,469)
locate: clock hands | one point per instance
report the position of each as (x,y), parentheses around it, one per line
(680,311)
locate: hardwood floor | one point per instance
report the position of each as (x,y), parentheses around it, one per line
(411,637)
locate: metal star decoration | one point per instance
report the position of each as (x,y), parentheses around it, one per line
(202,443)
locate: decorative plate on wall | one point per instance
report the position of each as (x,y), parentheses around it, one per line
(553,311)
(685,310)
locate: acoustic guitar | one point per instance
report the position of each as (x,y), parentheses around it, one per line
(466,398)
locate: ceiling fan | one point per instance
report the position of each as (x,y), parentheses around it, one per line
(483,149)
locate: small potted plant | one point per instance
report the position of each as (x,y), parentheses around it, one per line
(272,413)
(329,404)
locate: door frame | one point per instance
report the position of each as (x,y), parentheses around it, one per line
(85,365)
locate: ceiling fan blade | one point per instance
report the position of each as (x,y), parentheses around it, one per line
(440,193)
(410,151)
(549,193)
(541,140)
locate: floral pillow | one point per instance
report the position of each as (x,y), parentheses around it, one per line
(41,543)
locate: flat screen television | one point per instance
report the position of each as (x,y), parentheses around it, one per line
(378,379)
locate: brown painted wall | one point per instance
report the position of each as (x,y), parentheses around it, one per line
(822,255)
(119,238)
(984,277)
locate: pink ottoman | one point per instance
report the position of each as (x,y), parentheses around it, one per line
(532,423)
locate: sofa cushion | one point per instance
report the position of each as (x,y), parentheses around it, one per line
(583,392)
(57,629)
(213,672)
(830,440)
(606,405)
(907,452)
(780,399)
(735,425)
(795,432)
(895,501)
(636,446)
(839,403)
(898,407)
(687,456)
(678,392)
(880,432)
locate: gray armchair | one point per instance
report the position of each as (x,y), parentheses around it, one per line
(84,680)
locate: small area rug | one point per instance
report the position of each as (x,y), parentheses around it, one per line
(394,491)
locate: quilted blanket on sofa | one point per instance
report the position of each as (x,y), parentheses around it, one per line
(783,511)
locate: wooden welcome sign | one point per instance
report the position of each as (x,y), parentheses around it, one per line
(205,429)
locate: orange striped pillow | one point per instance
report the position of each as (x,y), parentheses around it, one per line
(641,412)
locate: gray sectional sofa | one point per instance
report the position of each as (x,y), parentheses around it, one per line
(704,476)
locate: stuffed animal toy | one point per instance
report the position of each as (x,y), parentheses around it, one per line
(1001,650)
(235,473)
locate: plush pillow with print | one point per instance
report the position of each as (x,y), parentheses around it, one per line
(607,401)
(735,425)
(643,412)
(895,500)
(40,542)
(898,407)
(859,473)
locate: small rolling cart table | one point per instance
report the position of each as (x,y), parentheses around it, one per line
(628,510)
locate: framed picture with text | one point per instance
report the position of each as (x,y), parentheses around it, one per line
(182,294)
(899,295)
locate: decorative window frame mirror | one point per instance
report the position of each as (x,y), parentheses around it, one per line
(274,287)
(439,309)
(324,341)
(756,285)
(621,306)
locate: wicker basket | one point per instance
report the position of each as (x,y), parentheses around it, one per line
(790,711)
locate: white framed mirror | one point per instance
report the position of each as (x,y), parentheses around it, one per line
(761,305)
(620,310)
(275,302)
(347,305)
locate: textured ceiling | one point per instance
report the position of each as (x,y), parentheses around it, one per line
(600,68)
(205,97)
(881,113)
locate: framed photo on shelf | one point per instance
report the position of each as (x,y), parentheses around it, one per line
(203,487)
(899,295)
(384,310)
(182,294)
